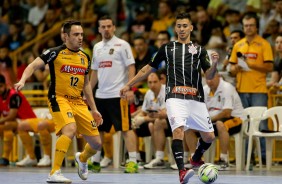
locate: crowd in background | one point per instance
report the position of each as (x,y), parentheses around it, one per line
(213,20)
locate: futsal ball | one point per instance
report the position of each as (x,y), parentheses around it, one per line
(208,173)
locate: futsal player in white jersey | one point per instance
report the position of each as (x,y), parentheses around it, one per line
(184,91)
(112,67)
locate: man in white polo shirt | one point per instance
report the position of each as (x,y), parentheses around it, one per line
(112,66)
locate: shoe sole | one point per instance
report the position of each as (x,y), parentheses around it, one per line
(188,175)
(156,167)
(58,182)
(81,177)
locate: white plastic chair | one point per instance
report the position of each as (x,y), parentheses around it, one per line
(275,113)
(209,155)
(253,114)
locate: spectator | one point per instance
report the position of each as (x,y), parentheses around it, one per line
(6,66)
(250,60)
(13,106)
(37,13)
(15,39)
(267,12)
(276,74)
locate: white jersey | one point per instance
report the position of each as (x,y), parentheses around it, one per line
(154,103)
(111,59)
(225,97)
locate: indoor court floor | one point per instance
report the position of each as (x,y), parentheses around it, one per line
(14,175)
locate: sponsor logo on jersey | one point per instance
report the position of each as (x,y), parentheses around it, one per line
(72,69)
(82,61)
(192,49)
(185,90)
(72,97)
(105,64)
(251,55)
(51,56)
(69,114)
(111,51)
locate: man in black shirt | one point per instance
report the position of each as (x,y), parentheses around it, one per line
(184,91)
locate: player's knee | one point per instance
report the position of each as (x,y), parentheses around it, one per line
(209,137)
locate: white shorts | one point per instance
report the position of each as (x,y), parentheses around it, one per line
(188,113)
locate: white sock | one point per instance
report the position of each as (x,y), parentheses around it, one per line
(185,157)
(224,157)
(138,156)
(96,157)
(160,155)
(132,156)
(192,155)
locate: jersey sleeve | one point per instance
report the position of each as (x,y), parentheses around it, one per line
(49,55)
(233,57)
(228,98)
(145,102)
(267,53)
(205,60)
(158,57)
(126,54)
(88,61)
(15,101)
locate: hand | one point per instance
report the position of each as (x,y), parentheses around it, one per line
(129,96)
(97,117)
(137,121)
(18,86)
(214,56)
(123,91)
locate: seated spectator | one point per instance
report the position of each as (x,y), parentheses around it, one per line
(152,120)
(43,127)
(226,113)
(15,39)
(14,109)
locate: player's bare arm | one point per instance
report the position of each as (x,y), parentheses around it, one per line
(141,75)
(35,65)
(87,91)
(93,78)
(10,117)
(210,73)
(129,96)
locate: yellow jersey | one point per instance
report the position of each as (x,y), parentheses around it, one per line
(258,51)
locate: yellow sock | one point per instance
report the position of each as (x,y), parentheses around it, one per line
(45,139)
(8,143)
(27,143)
(108,145)
(87,153)
(62,146)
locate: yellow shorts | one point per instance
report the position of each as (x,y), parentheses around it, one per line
(33,123)
(65,112)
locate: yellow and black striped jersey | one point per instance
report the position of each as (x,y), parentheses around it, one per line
(68,69)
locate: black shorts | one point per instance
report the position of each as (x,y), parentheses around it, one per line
(114,111)
(233,129)
(143,130)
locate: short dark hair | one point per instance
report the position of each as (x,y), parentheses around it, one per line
(241,33)
(139,38)
(252,15)
(166,33)
(106,17)
(67,25)
(2,79)
(183,15)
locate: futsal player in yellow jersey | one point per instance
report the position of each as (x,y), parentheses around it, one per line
(255,53)
(69,68)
